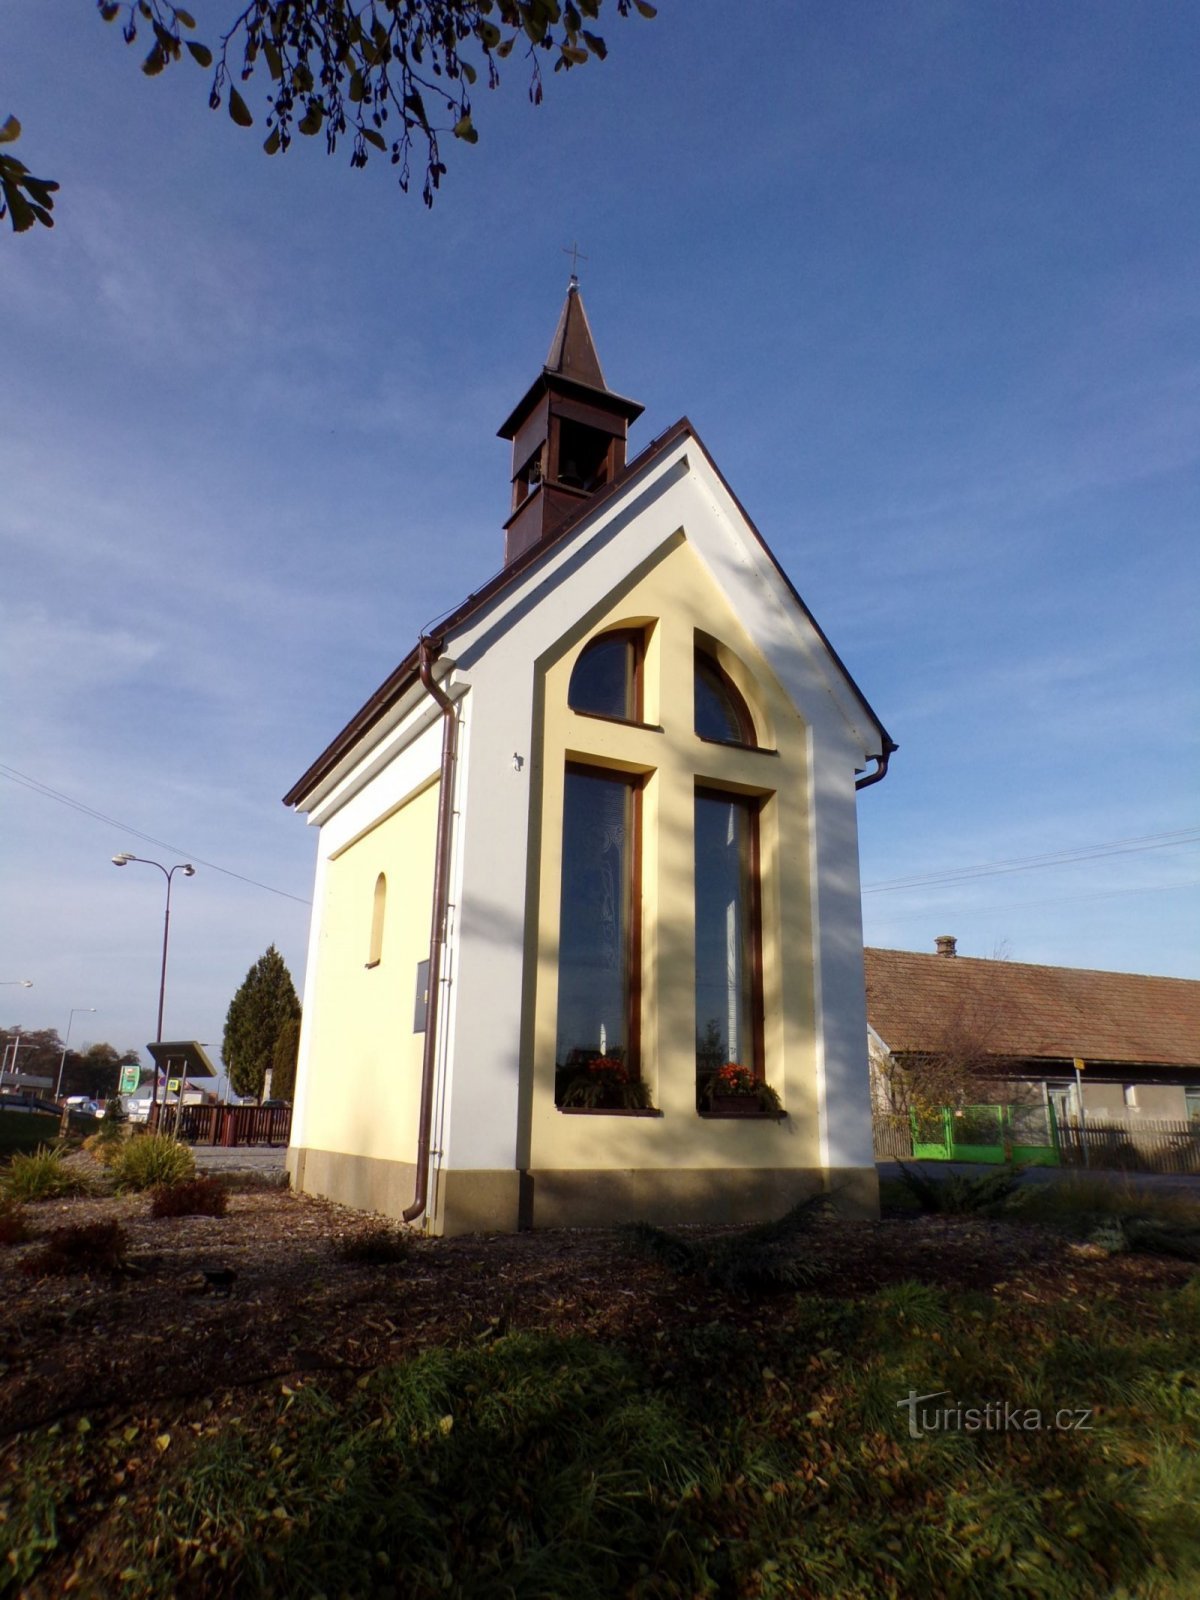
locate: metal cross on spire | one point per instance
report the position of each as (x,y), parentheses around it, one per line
(573,251)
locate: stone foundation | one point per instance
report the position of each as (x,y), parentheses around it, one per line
(505,1201)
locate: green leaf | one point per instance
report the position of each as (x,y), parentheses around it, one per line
(274,60)
(154,62)
(489,34)
(311,122)
(645,8)
(358,88)
(185,17)
(200,53)
(595,44)
(239,110)
(464,130)
(271,142)
(10,131)
(372,137)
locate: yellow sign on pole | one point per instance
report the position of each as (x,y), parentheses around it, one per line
(1079,1064)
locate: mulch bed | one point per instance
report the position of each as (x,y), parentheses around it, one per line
(160,1334)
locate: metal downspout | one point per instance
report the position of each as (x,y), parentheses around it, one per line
(428,654)
(880,772)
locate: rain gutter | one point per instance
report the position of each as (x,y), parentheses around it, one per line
(881,767)
(427,653)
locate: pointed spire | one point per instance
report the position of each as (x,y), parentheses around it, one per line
(568,433)
(572,351)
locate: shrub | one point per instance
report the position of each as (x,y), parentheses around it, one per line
(151,1160)
(194,1197)
(379,1247)
(13,1226)
(758,1260)
(1079,1202)
(40,1175)
(955,1195)
(86,1247)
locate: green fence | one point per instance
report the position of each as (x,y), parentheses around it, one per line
(988,1134)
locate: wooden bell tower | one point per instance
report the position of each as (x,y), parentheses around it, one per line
(568,433)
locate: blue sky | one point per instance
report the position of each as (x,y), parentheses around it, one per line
(925,277)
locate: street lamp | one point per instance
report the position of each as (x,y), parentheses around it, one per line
(75,1011)
(188,871)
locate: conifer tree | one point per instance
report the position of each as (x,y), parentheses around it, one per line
(257,1014)
(283,1061)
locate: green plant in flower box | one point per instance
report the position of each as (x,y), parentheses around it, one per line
(734,1085)
(606,1084)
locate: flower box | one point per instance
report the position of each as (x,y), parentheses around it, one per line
(738,1105)
(609,1111)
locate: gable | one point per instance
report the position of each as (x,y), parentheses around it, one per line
(673,488)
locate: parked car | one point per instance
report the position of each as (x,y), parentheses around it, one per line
(82,1106)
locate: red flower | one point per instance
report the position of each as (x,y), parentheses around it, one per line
(610,1068)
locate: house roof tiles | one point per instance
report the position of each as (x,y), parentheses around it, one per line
(1035,1012)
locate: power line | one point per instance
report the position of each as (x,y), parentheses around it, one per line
(44,789)
(1057,858)
(967,911)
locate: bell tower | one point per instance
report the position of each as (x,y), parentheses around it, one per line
(568,433)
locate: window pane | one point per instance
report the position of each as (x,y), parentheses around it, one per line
(720,710)
(603,679)
(726,937)
(596,920)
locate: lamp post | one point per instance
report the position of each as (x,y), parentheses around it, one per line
(188,871)
(5,1065)
(74,1012)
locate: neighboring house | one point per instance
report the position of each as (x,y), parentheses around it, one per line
(597,830)
(1020,1029)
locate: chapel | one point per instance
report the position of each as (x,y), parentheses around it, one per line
(586,943)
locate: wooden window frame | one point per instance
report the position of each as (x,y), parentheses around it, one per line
(636,638)
(754,807)
(636,783)
(741,708)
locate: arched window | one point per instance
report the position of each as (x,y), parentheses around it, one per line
(607,679)
(375,955)
(721,713)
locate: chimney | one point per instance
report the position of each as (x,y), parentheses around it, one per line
(947,944)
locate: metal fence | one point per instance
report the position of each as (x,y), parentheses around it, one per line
(230,1125)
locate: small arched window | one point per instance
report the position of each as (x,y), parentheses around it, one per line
(721,713)
(607,679)
(375,954)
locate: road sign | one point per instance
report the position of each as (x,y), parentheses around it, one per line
(1079,1064)
(130,1078)
(172,1085)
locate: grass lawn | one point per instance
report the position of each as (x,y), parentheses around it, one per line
(558,1415)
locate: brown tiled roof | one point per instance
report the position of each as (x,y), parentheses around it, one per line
(1036,1012)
